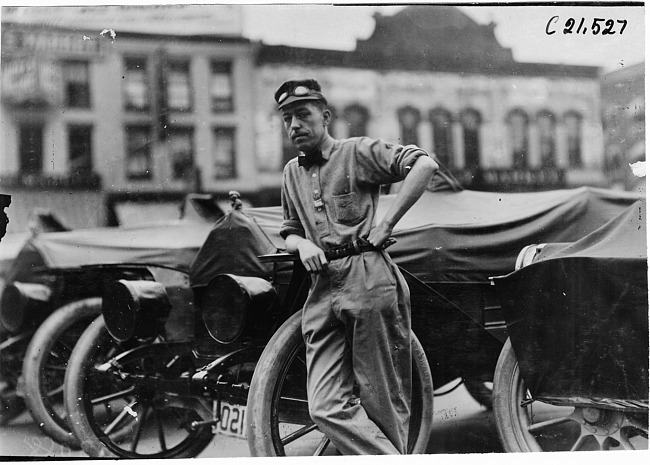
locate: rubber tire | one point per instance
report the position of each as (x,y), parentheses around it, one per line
(506,398)
(90,343)
(47,335)
(265,378)
(479,392)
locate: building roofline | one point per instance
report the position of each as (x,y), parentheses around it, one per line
(637,69)
(282,54)
(132,34)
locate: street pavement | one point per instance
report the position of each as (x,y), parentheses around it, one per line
(461,426)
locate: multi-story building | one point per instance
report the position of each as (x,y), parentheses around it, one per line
(433,77)
(623,102)
(150,110)
(174,99)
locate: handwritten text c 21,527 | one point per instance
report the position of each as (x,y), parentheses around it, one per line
(599,26)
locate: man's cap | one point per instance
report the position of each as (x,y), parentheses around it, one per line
(295,90)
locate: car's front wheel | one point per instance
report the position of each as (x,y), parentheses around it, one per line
(45,364)
(279,423)
(130,416)
(527,425)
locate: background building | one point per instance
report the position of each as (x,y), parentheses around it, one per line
(92,121)
(434,77)
(623,101)
(98,122)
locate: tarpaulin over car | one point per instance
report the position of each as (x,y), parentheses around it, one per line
(171,244)
(578,315)
(447,236)
(232,247)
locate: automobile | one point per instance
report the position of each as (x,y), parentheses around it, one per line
(448,244)
(45,307)
(456,317)
(573,373)
(134,360)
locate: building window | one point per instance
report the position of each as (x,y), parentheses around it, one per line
(178,86)
(181,151)
(135,87)
(409,119)
(138,153)
(356,118)
(80,149)
(546,126)
(470,120)
(31,148)
(518,135)
(573,123)
(224,152)
(221,87)
(442,135)
(76,79)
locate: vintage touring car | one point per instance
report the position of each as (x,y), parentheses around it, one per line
(448,246)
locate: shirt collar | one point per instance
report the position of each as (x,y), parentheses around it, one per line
(327,147)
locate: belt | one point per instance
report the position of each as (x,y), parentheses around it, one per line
(356,247)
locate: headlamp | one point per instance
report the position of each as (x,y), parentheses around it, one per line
(134,309)
(230,304)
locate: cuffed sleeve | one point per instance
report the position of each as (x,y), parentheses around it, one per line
(381,162)
(405,158)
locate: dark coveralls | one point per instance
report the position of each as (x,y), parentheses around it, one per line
(356,320)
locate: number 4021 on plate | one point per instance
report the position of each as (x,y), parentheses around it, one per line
(232,421)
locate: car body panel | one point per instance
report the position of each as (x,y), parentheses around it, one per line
(577,316)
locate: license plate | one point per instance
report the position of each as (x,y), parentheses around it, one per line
(233,421)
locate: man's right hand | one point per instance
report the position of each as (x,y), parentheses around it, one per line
(311,256)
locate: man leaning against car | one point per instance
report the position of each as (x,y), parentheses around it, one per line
(356,320)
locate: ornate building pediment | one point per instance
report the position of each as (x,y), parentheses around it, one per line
(433,37)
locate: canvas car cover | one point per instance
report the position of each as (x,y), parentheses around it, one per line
(233,245)
(578,316)
(447,236)
(470,236)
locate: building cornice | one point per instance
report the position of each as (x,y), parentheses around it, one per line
(282,54)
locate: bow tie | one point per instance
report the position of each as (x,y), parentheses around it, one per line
(311,158)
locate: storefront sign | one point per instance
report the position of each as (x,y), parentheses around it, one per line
(58,43)
(19,78)
(174,20)
(546,177)
(493,179)
(26,80)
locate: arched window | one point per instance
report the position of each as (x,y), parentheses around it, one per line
(517,122)
(409,119)
(356,118)
(442,135)
(573,125)
(546,126)
(470,120)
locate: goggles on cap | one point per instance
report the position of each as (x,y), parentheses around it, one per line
(298,91)
(291,91)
